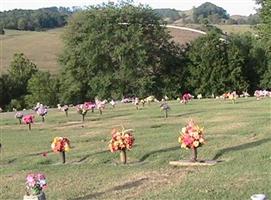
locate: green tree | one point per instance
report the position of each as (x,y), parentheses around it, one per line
(20,71)
(265,32)
(42,87)
(115,50)
(215,67)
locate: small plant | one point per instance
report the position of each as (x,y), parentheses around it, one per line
(61,145)
(191,138)
(121,141)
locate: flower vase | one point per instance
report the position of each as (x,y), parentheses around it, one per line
(101,112)
(40,196)
(194,154)
(20,121)
(83,117)
(29,126)
(66,112)
(42,119)
(123,157)
(63,156)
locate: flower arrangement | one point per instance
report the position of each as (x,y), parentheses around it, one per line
(191,138)
(19,116)
(42,111)
(82,109)
(62,145)
(121,141)
(28,119)
(165,107)
(35,183)
(64,108)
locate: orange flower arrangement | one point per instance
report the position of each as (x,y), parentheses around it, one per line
(121,141)
(62,145)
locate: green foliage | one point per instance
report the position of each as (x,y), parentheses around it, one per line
(5,90)
(209,11)
(170,15)
(265,32)
(116,51)
(42,87)
(215,66)
(20,71)
(40,19)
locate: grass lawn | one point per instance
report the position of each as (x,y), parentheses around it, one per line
(237,134)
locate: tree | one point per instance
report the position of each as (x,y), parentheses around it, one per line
(42,87)
(20,71)
(215,67)
(265,32)
(208,9)
(115,51)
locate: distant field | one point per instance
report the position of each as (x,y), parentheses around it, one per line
(42,48)
(236,28)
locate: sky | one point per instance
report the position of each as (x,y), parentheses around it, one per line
(233,7)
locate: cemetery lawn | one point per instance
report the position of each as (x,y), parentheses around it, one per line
(238,135)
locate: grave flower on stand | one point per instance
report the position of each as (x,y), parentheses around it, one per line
(121,141)
(19,116)
(165,107)
(61,145)
(35,183)
(64,108)
(28,119)
(42,111)
(192,138)
(82,109)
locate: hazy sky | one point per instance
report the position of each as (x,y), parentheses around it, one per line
(241,7)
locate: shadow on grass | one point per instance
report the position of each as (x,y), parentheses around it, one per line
(240,147)
(187,114)
(125,186)
(91,154)
(144,157)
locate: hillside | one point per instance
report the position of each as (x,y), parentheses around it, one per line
(43,48)
(40,47)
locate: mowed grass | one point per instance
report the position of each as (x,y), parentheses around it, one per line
(42,48)
(237,134)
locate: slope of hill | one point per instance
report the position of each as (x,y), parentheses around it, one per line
(42,48)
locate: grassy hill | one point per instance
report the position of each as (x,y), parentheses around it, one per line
(43,48)
(237,134)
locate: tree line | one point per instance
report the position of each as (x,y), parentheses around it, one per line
(113,51)
(34,20)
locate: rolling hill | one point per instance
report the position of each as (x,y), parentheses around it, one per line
(43,48)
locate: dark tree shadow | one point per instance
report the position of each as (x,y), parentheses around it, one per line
(125,186)
(144,157)
(240,147)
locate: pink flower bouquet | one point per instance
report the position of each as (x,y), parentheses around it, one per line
(35,183)
(191,138)
(28,119)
